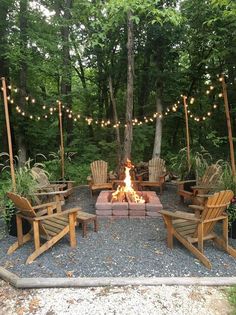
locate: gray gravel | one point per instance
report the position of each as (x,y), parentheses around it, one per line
(122,247)
(161,300)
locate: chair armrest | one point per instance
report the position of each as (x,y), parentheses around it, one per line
(45,205)
(180,215)
(52,193)
(63,213)
(186,181)
(204,195)
(62,181)
(196,207)
(204,187)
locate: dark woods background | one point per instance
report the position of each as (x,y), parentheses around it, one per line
(79,52)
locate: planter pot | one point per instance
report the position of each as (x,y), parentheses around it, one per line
(12,229)
(232,230)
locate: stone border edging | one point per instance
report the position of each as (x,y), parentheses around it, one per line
(33,283)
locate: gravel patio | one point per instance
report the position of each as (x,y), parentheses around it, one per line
(121,247)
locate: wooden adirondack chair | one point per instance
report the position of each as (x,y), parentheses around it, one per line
(156,173)
(208,182)
(45,185)
(51,226)
(190,229)
(99,178)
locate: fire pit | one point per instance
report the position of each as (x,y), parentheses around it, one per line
(126,202)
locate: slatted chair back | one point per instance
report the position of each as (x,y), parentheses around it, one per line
(156,168)
(40,176)
(211,175)
(99,171)
(25,208)
(214,208)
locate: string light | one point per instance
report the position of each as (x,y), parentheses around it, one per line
(135,121)
(192,100)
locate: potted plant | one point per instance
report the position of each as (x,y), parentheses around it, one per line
(198,164)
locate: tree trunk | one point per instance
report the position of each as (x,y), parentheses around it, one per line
(128,137)
(158,132)
(117,130)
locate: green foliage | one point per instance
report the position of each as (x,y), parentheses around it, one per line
(231,211)
(7,208)
(216,140)
(178,48)
(141,148)
(227,180)
(232,298)
(78,172)
(26,186)
(198,163)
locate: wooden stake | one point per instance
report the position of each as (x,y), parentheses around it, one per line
(187,132)
(4,91)
(62,143)
(227,114)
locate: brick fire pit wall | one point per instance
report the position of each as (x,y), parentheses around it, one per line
(106,208)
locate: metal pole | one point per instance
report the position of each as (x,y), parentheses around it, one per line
(4,91)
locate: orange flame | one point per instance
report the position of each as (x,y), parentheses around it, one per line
(128,186)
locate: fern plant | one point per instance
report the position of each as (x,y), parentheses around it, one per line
(26,186)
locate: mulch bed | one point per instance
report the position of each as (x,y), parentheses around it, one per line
(122,247)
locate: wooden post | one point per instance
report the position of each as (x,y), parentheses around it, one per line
(62,142)
(227,114)
(187,132)
(4,91)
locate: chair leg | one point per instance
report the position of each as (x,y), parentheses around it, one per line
(161,189)
(19,230)
(200,237)
(95,225)
(223,242)
(169,226)
(16,245)
(229,249)
(182,199)
(193,250)
(36,235)
(47,245)
(72,223)
(84,227)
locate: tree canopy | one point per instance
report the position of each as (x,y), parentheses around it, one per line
(77,52)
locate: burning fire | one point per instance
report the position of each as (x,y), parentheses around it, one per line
(127,190)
